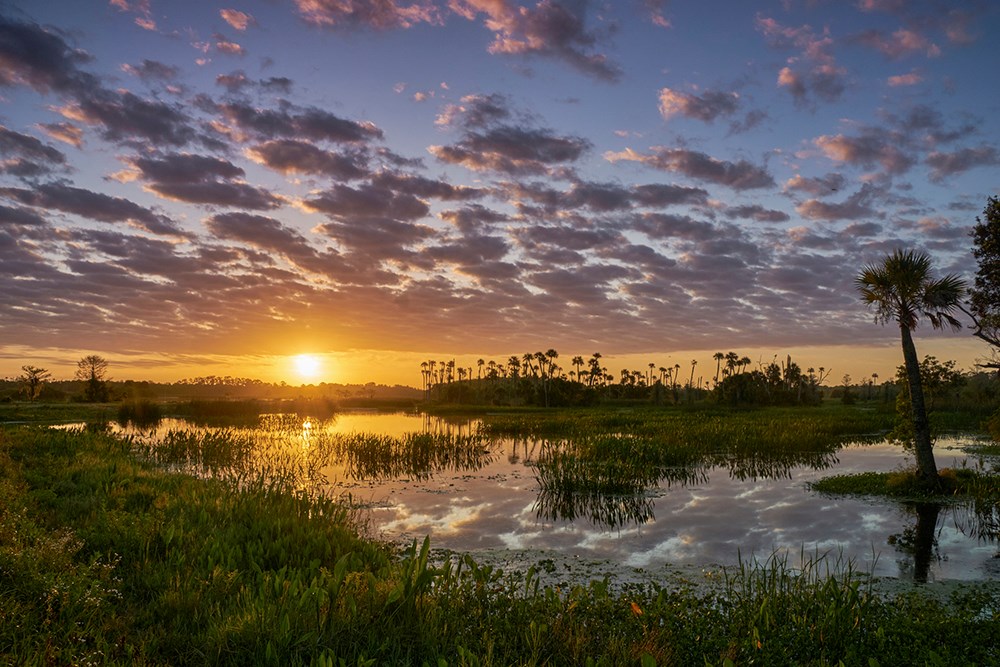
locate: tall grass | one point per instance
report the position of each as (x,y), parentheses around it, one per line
(105,559)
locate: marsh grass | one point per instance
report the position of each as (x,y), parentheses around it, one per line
(953,484)
(109,560)
(297,452)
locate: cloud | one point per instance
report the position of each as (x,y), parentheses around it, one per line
(550,29)
(899,44)
(419,186)
(20,217)
(295,122)
(32,56)
(201,179)
(64,132)
(223,45)
(740,175)
(512,150)
(291,156)
(662,194)
(476,111)
(824,81)
(471,219)
(124,117)
(269,235)
(858,205)
(380,14)
(655,9)
(237,19)
(367,201)
(152,70)
(910,79)
(92,205)
(27,157)
(666,226)
(814,72)
(816,186)
(944,165)
(872,147)
(758,213)
(705,107)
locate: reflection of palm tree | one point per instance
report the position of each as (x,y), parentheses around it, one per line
(901,290)
(920,540)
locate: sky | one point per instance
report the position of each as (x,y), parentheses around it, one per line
(200,188)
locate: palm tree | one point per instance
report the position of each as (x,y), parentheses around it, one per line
(901,289)
(718,356)
(732,359)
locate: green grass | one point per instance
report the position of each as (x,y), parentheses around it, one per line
(906,485)
(106,560)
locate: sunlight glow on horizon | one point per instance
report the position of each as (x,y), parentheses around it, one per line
(307,366)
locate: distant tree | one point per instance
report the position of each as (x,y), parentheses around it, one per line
(33,379)
(985,293)
(901,289)
(93,369)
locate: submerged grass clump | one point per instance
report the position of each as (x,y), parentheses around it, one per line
(109,559)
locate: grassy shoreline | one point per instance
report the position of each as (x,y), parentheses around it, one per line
(107,560)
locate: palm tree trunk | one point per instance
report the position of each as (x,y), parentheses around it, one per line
(922,445)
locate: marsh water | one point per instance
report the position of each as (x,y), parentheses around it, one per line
(412,475)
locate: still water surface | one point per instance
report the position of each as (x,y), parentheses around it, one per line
(495,505)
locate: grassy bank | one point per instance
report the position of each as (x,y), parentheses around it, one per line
(105,560)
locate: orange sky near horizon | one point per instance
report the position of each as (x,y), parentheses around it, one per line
(403,368)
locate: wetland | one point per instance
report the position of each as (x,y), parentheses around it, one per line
(626,494)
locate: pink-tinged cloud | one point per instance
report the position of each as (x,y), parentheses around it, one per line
(25,156)
(815,186)
(825,81)
(867,151)
(900,44)
(64,132)
(378,14)
(294,122)
(93,205)
(342,202)
(151,70)
(858,205)
(223,45)
(812,46)
(290,156)
(655,10)
(237,19)
(513,150)
(549,29)
(741,175)
(944,165)
(705,107)
(910,79)
(888,6)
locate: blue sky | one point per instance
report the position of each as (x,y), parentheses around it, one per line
(198,186)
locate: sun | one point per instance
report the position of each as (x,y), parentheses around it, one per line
(307,365)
